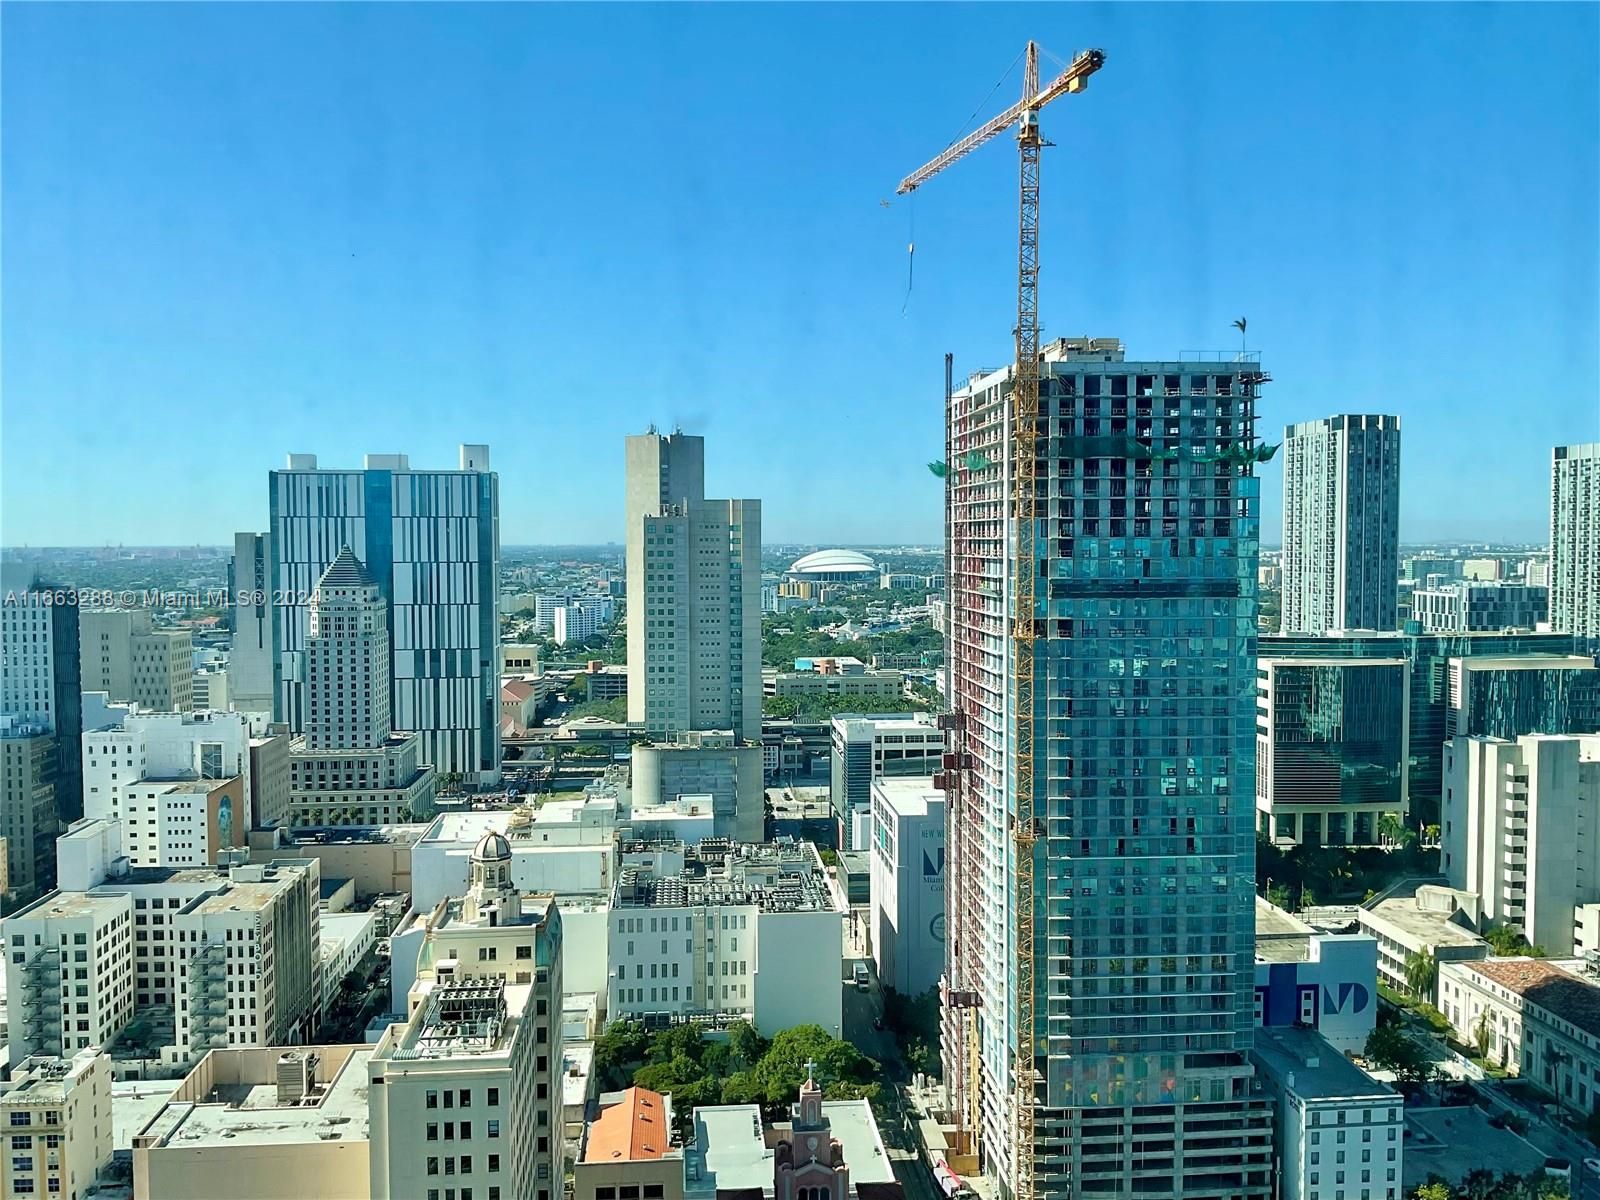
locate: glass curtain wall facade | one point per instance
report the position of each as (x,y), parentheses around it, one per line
(1144,553)
(1429,657)
(431,540)
(1331,755)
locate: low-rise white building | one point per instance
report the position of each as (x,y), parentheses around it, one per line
(563,846)
(202,957)
(1338,1131)
(347,938)
(1419,916)
(1537,1018)
(907,851)
(69,973)
(725,931)
(160,746)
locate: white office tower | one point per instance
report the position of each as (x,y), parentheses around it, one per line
(250,602)
(466,1094)
(1575,540)
(1522,830)
(347,648)
(431,541)
(351,767)
(139,747)
(694,595)
(1341,524)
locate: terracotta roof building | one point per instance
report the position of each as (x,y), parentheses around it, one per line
(1538,1018)
(630,1145)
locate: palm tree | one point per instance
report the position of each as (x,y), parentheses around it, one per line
(1390,829)
(1419,974)
(1240,325)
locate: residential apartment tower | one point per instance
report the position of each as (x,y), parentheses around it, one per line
(1341,524)
(1140,743)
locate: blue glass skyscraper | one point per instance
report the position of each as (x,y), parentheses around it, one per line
(431,540)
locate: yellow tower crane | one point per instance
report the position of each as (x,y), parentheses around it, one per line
(1025,619)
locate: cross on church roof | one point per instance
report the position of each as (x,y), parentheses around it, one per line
(811,1070)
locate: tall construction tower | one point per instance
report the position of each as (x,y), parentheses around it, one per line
(1102,526)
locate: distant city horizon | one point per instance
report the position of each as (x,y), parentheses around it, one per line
(1462,543)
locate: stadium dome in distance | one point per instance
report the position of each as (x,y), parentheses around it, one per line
(833,566)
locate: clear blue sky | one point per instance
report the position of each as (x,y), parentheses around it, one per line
(233,231)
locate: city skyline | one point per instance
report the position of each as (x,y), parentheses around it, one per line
(411,280)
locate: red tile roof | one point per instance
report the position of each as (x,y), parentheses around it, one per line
(1558,992)
(634,1130)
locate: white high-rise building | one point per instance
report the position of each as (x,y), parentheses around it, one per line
(907,876)
(1341,524)
(351,767)
(250,658)
(431,541)
(1521,828)
(224,957)
(694,595)
(161,747)
(574,624)
(467,1092)
(1575,540)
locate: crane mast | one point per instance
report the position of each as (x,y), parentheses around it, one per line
(1025,622)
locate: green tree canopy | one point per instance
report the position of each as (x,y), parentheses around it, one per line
(1509,942)
(609,710)
(1390,1048)
(620,1050)
(782,1069)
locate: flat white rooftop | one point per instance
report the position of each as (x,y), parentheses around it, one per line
(908,795)
(248,1114)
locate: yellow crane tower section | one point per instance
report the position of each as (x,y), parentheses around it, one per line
(1025,620)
